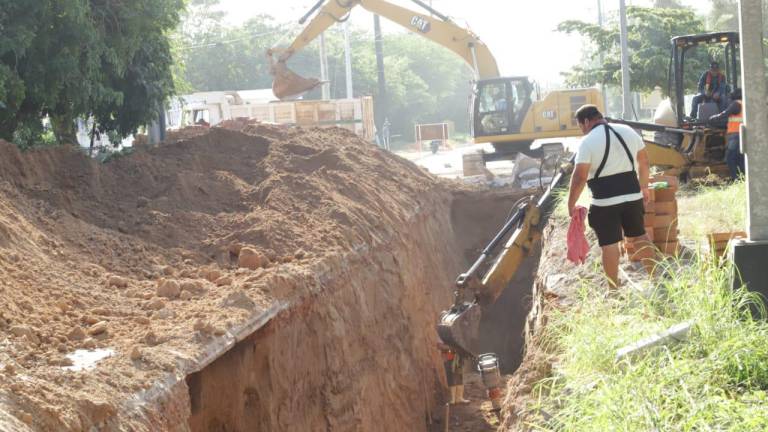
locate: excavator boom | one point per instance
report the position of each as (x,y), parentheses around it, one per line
(441,30)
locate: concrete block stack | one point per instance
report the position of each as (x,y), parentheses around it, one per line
(665,213)
(718,242)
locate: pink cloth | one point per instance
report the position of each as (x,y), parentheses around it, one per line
(578,248)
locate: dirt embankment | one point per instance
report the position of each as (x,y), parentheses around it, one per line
(170,255)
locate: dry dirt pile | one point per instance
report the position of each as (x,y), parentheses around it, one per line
(154,254)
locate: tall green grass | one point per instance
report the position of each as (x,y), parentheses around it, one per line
(717,380)
(704,210)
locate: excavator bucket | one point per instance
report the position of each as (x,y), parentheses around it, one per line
(459,328)
(287,84)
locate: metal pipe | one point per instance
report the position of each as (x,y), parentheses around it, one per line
(348,61)
(432,10)
(311,11)
(625,87)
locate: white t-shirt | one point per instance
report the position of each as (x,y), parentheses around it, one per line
(592,149)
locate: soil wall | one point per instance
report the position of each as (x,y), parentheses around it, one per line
(357,354)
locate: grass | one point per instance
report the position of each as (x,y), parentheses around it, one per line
(717,380)
(707,209)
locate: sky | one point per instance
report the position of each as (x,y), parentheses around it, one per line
(520,33)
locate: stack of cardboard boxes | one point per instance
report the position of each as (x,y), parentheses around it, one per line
(660,217)
(665,217)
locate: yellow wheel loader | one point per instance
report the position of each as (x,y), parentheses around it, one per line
(506,111)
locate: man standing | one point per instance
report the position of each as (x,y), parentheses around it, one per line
(712,87)
(733,156)
(613,162)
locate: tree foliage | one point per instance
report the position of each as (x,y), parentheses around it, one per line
(649,33)
(65,59)
(425,82)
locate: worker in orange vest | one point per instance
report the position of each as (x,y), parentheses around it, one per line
(735,115)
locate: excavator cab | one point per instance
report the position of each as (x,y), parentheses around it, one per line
(691,56)
(500,105)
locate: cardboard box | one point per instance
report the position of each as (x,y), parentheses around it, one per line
(726,236)
(664,220)
(665,195)
(666,207)
(666,234)
(674,172)
(668,248)
(649,219)
(633,250)
(718,242)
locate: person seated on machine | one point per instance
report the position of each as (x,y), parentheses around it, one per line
(712,88)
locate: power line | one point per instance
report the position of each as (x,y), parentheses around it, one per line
(231,41)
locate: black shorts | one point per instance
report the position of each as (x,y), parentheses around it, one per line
(608,222)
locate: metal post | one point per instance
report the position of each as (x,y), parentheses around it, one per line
(348,60)
(625,87)
(326,87)
(749,256)
(601,58)
(381,106)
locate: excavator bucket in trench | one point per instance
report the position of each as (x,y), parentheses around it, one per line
(287,84)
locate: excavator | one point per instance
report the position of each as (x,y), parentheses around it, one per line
(504,112)
(490,274)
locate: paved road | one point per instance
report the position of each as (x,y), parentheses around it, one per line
(448,163)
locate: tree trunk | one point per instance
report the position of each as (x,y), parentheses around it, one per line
(64,129)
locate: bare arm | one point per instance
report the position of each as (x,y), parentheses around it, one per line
(578,181)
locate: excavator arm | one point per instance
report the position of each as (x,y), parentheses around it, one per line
(459,327)
(439,29)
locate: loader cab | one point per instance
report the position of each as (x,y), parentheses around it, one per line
(499,105)
(691,56)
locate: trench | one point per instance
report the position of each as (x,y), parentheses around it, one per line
(358,353)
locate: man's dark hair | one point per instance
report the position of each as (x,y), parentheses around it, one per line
(588,112)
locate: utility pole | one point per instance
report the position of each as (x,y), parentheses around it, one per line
(601,58)
(381,114)
(325,89)
(749,255)
(348,60)
(625,87)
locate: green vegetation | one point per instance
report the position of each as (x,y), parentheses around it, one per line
(717,380)
(649,32)
(707,209)
(71,59)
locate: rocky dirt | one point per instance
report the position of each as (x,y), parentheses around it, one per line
(158,255)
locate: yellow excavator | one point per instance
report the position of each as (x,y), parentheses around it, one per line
(504,111)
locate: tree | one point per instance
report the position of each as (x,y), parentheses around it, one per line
(426,82)
(64,59)
(649,31)
(668,4)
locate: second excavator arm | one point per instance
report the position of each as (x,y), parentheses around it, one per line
(439,29)
(459,326)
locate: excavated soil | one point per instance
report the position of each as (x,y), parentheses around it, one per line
(241,278)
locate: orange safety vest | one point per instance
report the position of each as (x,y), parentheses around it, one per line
(734,121)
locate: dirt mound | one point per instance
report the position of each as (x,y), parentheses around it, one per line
(152,254)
